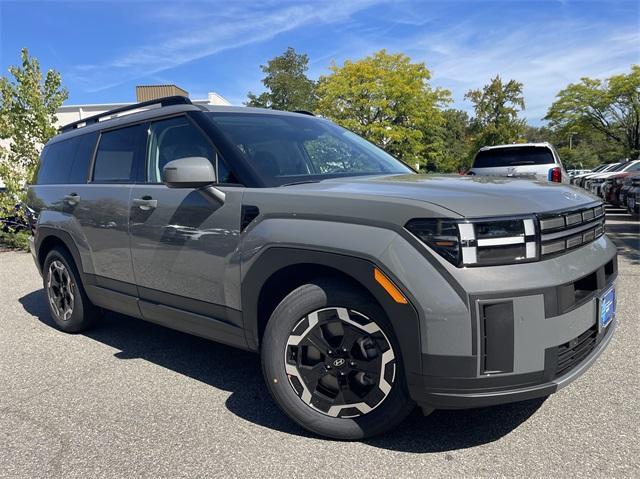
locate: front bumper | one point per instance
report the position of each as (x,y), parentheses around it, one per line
(463,394)
(523,321)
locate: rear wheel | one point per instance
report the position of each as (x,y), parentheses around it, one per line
(332,364)
(68,303)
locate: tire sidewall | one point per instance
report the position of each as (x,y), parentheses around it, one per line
(298,304)
(78,320)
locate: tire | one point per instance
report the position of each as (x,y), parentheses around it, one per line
(68,303)
(345,403)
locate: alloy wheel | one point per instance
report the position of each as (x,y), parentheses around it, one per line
(60,290)
(339,362)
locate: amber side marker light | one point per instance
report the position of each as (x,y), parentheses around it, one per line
(389,287)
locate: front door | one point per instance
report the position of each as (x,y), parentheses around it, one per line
(183,240)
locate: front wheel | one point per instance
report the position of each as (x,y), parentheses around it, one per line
(332,364)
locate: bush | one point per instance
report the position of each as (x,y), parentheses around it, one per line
(17,241)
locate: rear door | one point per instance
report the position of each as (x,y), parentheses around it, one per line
(182,240)
(103,206)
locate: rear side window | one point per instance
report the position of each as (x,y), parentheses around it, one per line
(516,156)
(67,161)
(118,155)
(56,161)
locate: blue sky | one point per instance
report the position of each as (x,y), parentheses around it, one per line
(104,48)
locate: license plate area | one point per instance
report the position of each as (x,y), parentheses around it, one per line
(606,307)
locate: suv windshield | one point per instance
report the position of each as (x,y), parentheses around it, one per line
(513,156)
(287,149)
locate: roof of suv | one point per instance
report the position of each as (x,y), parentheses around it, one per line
(516,145)
(148,110)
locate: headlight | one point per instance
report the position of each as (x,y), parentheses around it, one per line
(479,242)
(510,240)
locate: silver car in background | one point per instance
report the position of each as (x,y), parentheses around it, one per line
(538,161)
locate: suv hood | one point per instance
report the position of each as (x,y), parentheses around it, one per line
(465,195)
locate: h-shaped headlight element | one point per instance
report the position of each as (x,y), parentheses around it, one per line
(482,242)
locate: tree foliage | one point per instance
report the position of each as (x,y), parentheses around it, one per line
(388,100)
(609,108)
(496,108)
(456,134)
(288,87)
(28,105)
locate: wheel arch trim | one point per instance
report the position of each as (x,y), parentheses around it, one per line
(404,318)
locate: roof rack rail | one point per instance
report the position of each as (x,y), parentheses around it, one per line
(303,112)
(166,101)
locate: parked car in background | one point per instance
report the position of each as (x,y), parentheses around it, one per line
(366,288)
(627,184)
(576,179)
(538,161)
(610,191)
(573,173)
(594,183)
(582,179)
(632,197)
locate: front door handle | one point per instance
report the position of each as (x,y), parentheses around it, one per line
(145,203)
(72,200)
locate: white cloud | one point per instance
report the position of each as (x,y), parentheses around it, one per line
(207,29)
(545,57)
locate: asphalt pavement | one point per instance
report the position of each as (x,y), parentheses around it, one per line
(132,399)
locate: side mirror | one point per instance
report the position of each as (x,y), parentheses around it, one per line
(190,172)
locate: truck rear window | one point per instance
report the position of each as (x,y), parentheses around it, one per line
(516,156)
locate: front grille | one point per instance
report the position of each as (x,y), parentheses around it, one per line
(564,230)
(571,353)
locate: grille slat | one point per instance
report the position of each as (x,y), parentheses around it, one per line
(573,352)
(564,230)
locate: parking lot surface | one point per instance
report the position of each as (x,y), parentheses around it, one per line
(132,399)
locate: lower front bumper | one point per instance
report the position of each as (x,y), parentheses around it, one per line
(522,387)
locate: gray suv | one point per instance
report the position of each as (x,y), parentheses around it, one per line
(365,287)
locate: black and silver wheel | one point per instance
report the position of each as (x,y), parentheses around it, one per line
(60,290)
(68,304)
(331,362)
(339,362)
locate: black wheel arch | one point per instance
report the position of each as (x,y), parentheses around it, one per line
(48,238)
(286,268)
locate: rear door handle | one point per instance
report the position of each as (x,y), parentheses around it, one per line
(145,203)
(72,200)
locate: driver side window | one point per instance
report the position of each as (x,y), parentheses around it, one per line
(177,138)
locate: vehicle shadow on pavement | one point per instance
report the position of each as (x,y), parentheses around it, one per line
(239,372)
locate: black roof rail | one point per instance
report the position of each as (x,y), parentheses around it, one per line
(303,112)
(166,101)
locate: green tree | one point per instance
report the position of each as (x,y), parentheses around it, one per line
(288,87)
(28,105)
(456,137)
(387,99)
(496,108)
(610,108)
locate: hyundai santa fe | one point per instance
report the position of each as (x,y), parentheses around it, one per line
(366,288)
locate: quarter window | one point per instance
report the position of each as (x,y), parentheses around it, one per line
(67,161)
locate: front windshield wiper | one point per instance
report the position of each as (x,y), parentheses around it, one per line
(301,182)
